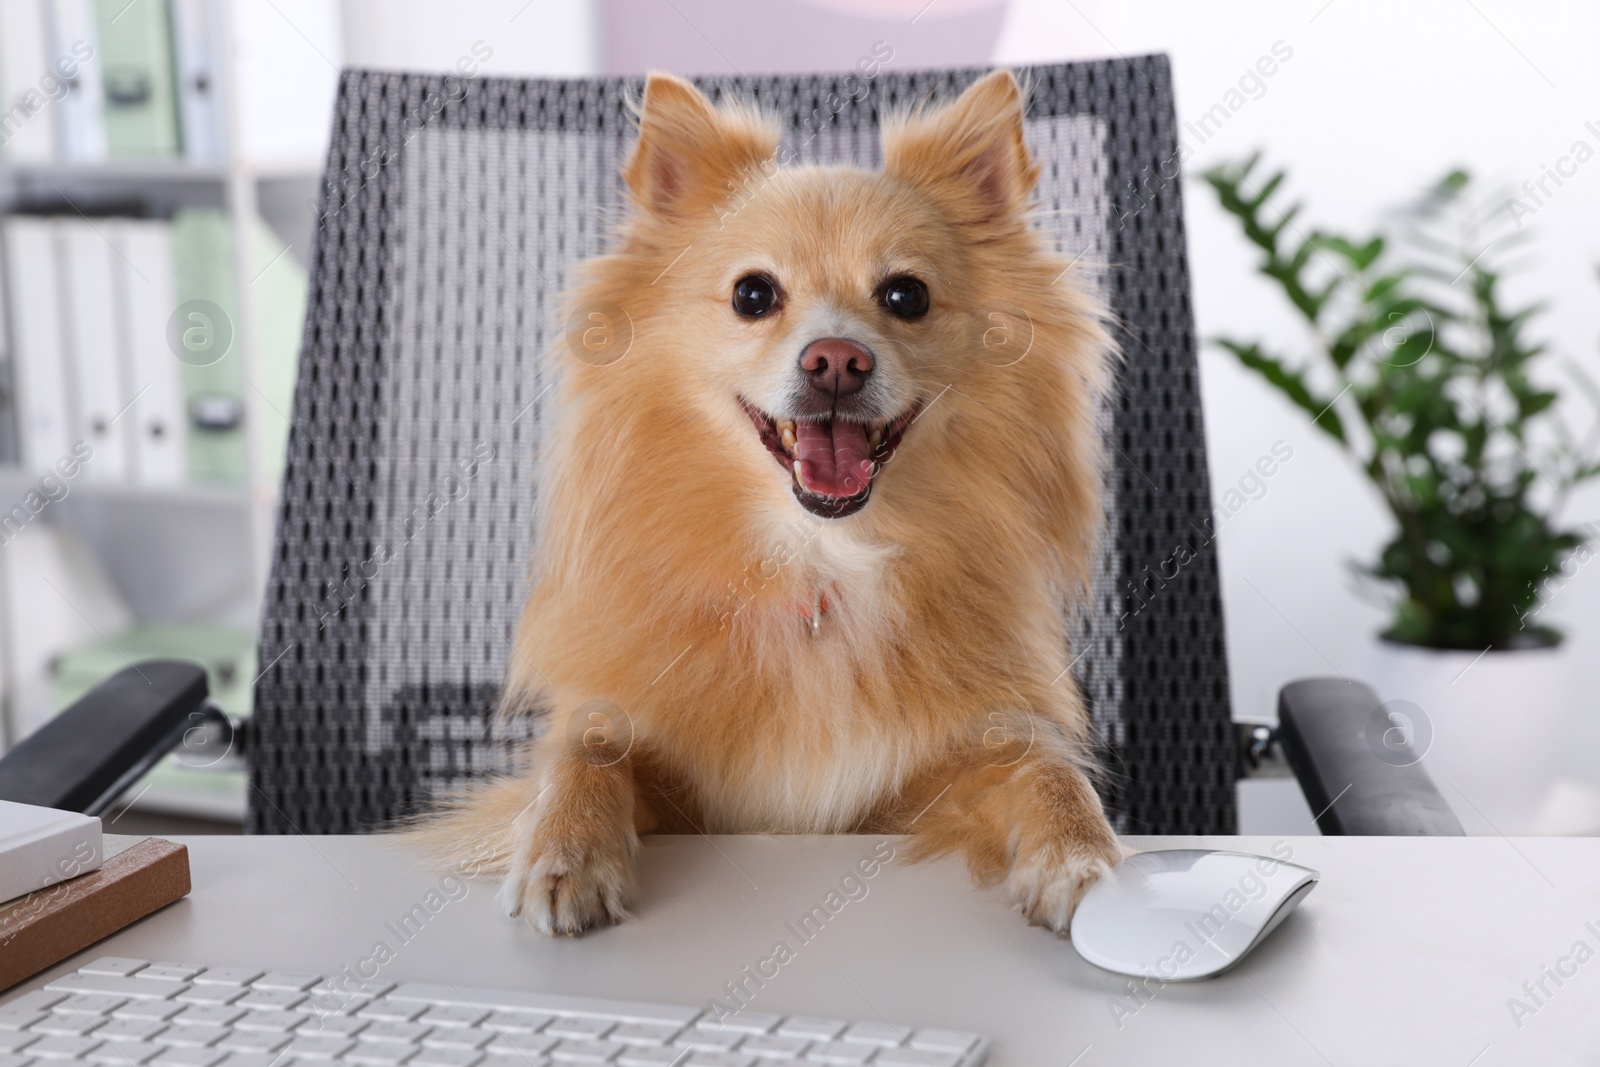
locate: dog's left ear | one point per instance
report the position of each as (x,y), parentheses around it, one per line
(970,154)
(690,154)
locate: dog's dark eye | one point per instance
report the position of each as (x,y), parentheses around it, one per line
(906,297)
(754,295)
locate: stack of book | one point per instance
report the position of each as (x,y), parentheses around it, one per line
(88,80)
(124,355)
(64,884)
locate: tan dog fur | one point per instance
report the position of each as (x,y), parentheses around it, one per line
(675,566)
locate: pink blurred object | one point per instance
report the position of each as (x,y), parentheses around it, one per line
(795,36)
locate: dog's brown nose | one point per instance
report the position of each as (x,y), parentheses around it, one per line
(836,366)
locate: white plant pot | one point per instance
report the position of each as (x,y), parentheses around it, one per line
(1490,727)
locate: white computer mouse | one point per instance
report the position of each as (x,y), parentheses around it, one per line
(1185,913)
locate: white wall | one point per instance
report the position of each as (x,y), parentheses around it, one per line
(527,38)
(1378,99)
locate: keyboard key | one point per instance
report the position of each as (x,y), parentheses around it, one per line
(943,1040)
(88,1004)
(712,1040)
(392,1010)
(719,1059)
(280,999)
(645,1033)
(454,1015)
(270,1020)
(318,1046)
(744,1022)
(226,976)
(776,1048)
(12,1059)
(148,1009)
(39,1001)
(846,1052)
(164,969)
(379,1053)
(253,1041)
(458,1037)
(13,1040)
(580,1029)
(207,1015)
(11,1019)
(445,1057)
(61,1048)
(351,987)
(517,1022)
(911,1057)
(251,1059)
(334,1004)
(493,1060)
(191,1036)
(115,966)
(128,1029)
(290,980)
(585,1051)
(342,1025)
(881,1034)
(209,994)
(138,986)
(122,1053)
(651,1057)
(410,1033)
(74,1025)
(522,1044)
(186,1057)
(813,1029)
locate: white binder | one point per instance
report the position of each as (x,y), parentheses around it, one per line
(101,397)
(80,114)
(27,129)
(195,25)
(145,299)
(39,356)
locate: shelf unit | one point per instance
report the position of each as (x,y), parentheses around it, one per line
(221,533)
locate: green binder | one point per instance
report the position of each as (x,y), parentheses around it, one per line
(215,389)
(141,111)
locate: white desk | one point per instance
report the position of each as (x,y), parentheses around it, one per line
(1406,953)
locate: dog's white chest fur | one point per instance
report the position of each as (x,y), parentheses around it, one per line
(829,757)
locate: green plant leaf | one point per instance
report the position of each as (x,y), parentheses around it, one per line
(1290,383)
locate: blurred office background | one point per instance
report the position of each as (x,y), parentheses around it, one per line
(159,169)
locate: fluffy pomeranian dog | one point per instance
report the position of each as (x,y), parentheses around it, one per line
(809,535)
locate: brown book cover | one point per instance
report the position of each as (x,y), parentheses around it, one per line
(140,875)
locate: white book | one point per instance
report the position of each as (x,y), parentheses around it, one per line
(145,299)
(100,395)
(74,59)
(39,353)
(27,131)
(195,26)
(42,846)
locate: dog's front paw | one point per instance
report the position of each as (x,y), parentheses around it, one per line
(1046,882)
(567,887)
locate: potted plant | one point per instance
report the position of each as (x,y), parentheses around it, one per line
(1424,376)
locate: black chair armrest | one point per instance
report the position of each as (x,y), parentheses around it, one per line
(85,757)
(1326,726)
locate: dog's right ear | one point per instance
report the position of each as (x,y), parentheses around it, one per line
(689,153)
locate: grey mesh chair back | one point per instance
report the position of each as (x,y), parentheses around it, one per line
(452,215)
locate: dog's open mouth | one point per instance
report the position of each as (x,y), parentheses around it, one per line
(830,461)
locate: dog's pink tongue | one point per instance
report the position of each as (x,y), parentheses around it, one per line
(835,459)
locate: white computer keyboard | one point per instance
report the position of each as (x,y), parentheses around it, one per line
(119,1012)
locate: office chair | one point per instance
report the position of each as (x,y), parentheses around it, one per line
(451,216)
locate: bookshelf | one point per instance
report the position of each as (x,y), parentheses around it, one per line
(187,553)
